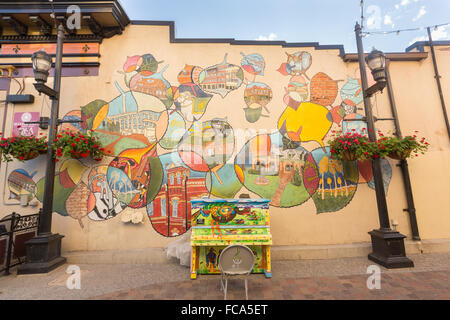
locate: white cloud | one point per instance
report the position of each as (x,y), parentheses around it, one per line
(403,3)
(271,36)
(388,21)
(421,12)
(439,34)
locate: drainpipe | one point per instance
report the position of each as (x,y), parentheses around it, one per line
(403,163)
(438,81)
(5,110)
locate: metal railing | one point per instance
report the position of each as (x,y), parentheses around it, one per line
(15,230)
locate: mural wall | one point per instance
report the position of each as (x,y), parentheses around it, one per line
(162,152)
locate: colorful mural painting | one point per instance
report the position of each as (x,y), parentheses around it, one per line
(161,154)
(20,182)
(221,78)
(257,94)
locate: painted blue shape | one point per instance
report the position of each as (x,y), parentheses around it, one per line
(117,105)
(387,175)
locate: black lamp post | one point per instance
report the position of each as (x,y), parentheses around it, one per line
(388,247)
(44,250)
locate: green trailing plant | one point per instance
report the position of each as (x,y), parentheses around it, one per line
(22,147)
(402,148)
(77,145)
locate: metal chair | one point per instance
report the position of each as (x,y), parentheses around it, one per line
(235,260)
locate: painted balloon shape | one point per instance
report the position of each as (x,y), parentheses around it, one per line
(221,78)
(307,122)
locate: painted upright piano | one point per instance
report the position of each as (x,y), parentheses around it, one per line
(218,223)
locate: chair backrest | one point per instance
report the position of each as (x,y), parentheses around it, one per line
(5,222)
(236,259)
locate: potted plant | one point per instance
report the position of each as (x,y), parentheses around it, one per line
(22,148)
(77,145)
(402,148)
(351,146)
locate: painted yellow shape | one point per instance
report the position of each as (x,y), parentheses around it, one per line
(75,169)
(136,154)
(308,123)
(323,165)
(101,115)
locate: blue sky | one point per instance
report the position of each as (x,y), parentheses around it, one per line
(323,21)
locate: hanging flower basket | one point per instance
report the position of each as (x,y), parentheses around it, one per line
(402,148)
(349,156)
(400,155)
(22,148)
(77,145)
(350,146)
(30,155)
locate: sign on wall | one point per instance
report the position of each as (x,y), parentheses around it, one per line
(21,127)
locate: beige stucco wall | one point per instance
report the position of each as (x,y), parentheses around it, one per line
(418,107)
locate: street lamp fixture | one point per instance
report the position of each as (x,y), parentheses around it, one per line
(388,247)
(44,250)
(42,63)
(376,60)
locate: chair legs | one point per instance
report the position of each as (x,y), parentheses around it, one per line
(224,286)
(246,288)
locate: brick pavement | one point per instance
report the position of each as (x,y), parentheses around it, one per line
(429,285)
(343,278)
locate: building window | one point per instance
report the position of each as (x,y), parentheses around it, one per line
(150,209)
(171,179)
(175,208)
(178,178)
(163,207)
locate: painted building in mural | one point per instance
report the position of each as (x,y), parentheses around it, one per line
(171,209)
(183,119)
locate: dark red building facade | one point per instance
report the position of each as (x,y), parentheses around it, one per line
(168,212)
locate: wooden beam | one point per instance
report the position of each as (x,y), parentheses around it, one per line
(44,28)
(18,26)
(94,26)
(394,56)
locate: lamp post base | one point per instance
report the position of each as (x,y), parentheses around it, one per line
(43,254)
(388,249)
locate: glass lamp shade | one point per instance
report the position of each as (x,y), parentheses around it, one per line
(376,60)
(42,63)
